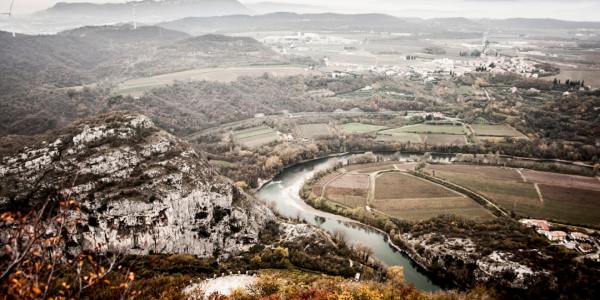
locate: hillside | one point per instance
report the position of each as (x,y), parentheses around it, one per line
(117,52)
(141,189)
(125,35)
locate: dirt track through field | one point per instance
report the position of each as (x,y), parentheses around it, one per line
(523,176)
(539,192)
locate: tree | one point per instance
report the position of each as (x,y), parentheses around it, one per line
(273,163)
(35,263)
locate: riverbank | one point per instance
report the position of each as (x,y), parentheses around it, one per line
(466,253)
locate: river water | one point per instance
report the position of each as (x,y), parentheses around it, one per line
(283,193)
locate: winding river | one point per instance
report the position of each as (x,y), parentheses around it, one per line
(283,193)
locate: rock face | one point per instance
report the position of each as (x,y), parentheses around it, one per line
(141,190)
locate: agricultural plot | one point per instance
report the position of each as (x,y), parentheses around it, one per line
(564,198)
(377,168)
(363,168)
(317,188)
(255,137)
(437,135)
(407,197)
(444,139)
(395,185)
(503,186)
(349,190)
(495,133)
(570,205)
(353,128)
(400,137)
(430,128)
(562,180)
(311,131)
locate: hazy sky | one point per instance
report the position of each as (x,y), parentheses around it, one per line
(560,9)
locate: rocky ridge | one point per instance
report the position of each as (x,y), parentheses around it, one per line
(141,190)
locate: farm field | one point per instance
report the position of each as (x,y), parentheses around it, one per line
(349,190)
(361,128)
(562,180)
(429,128)
(396,194)
(414,138)
(361,168)
(486,130)
(444,139)
(395,185)
(311,131)
(563,198)
(400,137)
(255,137)
(407,197)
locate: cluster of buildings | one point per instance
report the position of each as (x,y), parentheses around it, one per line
(301,39)
(571,240)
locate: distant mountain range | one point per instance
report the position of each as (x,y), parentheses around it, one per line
(227,16)
(294,22)
(146,11)
(363,22)
(272,7)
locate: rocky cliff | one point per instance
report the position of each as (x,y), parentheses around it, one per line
(141,190)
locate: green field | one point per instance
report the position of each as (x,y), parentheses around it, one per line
(361,128)
(255,137)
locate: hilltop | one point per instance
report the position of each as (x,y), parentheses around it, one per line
(141,189)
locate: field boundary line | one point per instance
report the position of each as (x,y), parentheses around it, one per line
(435,183)
(522,176)
(539,192)
(459,187)
(327,183)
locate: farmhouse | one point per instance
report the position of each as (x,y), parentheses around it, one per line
(585,248)
(556,235)
(578,236)
(539,225)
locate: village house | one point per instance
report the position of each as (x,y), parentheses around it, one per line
(578,236)
(539,225)
(556,236)
(585,247)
